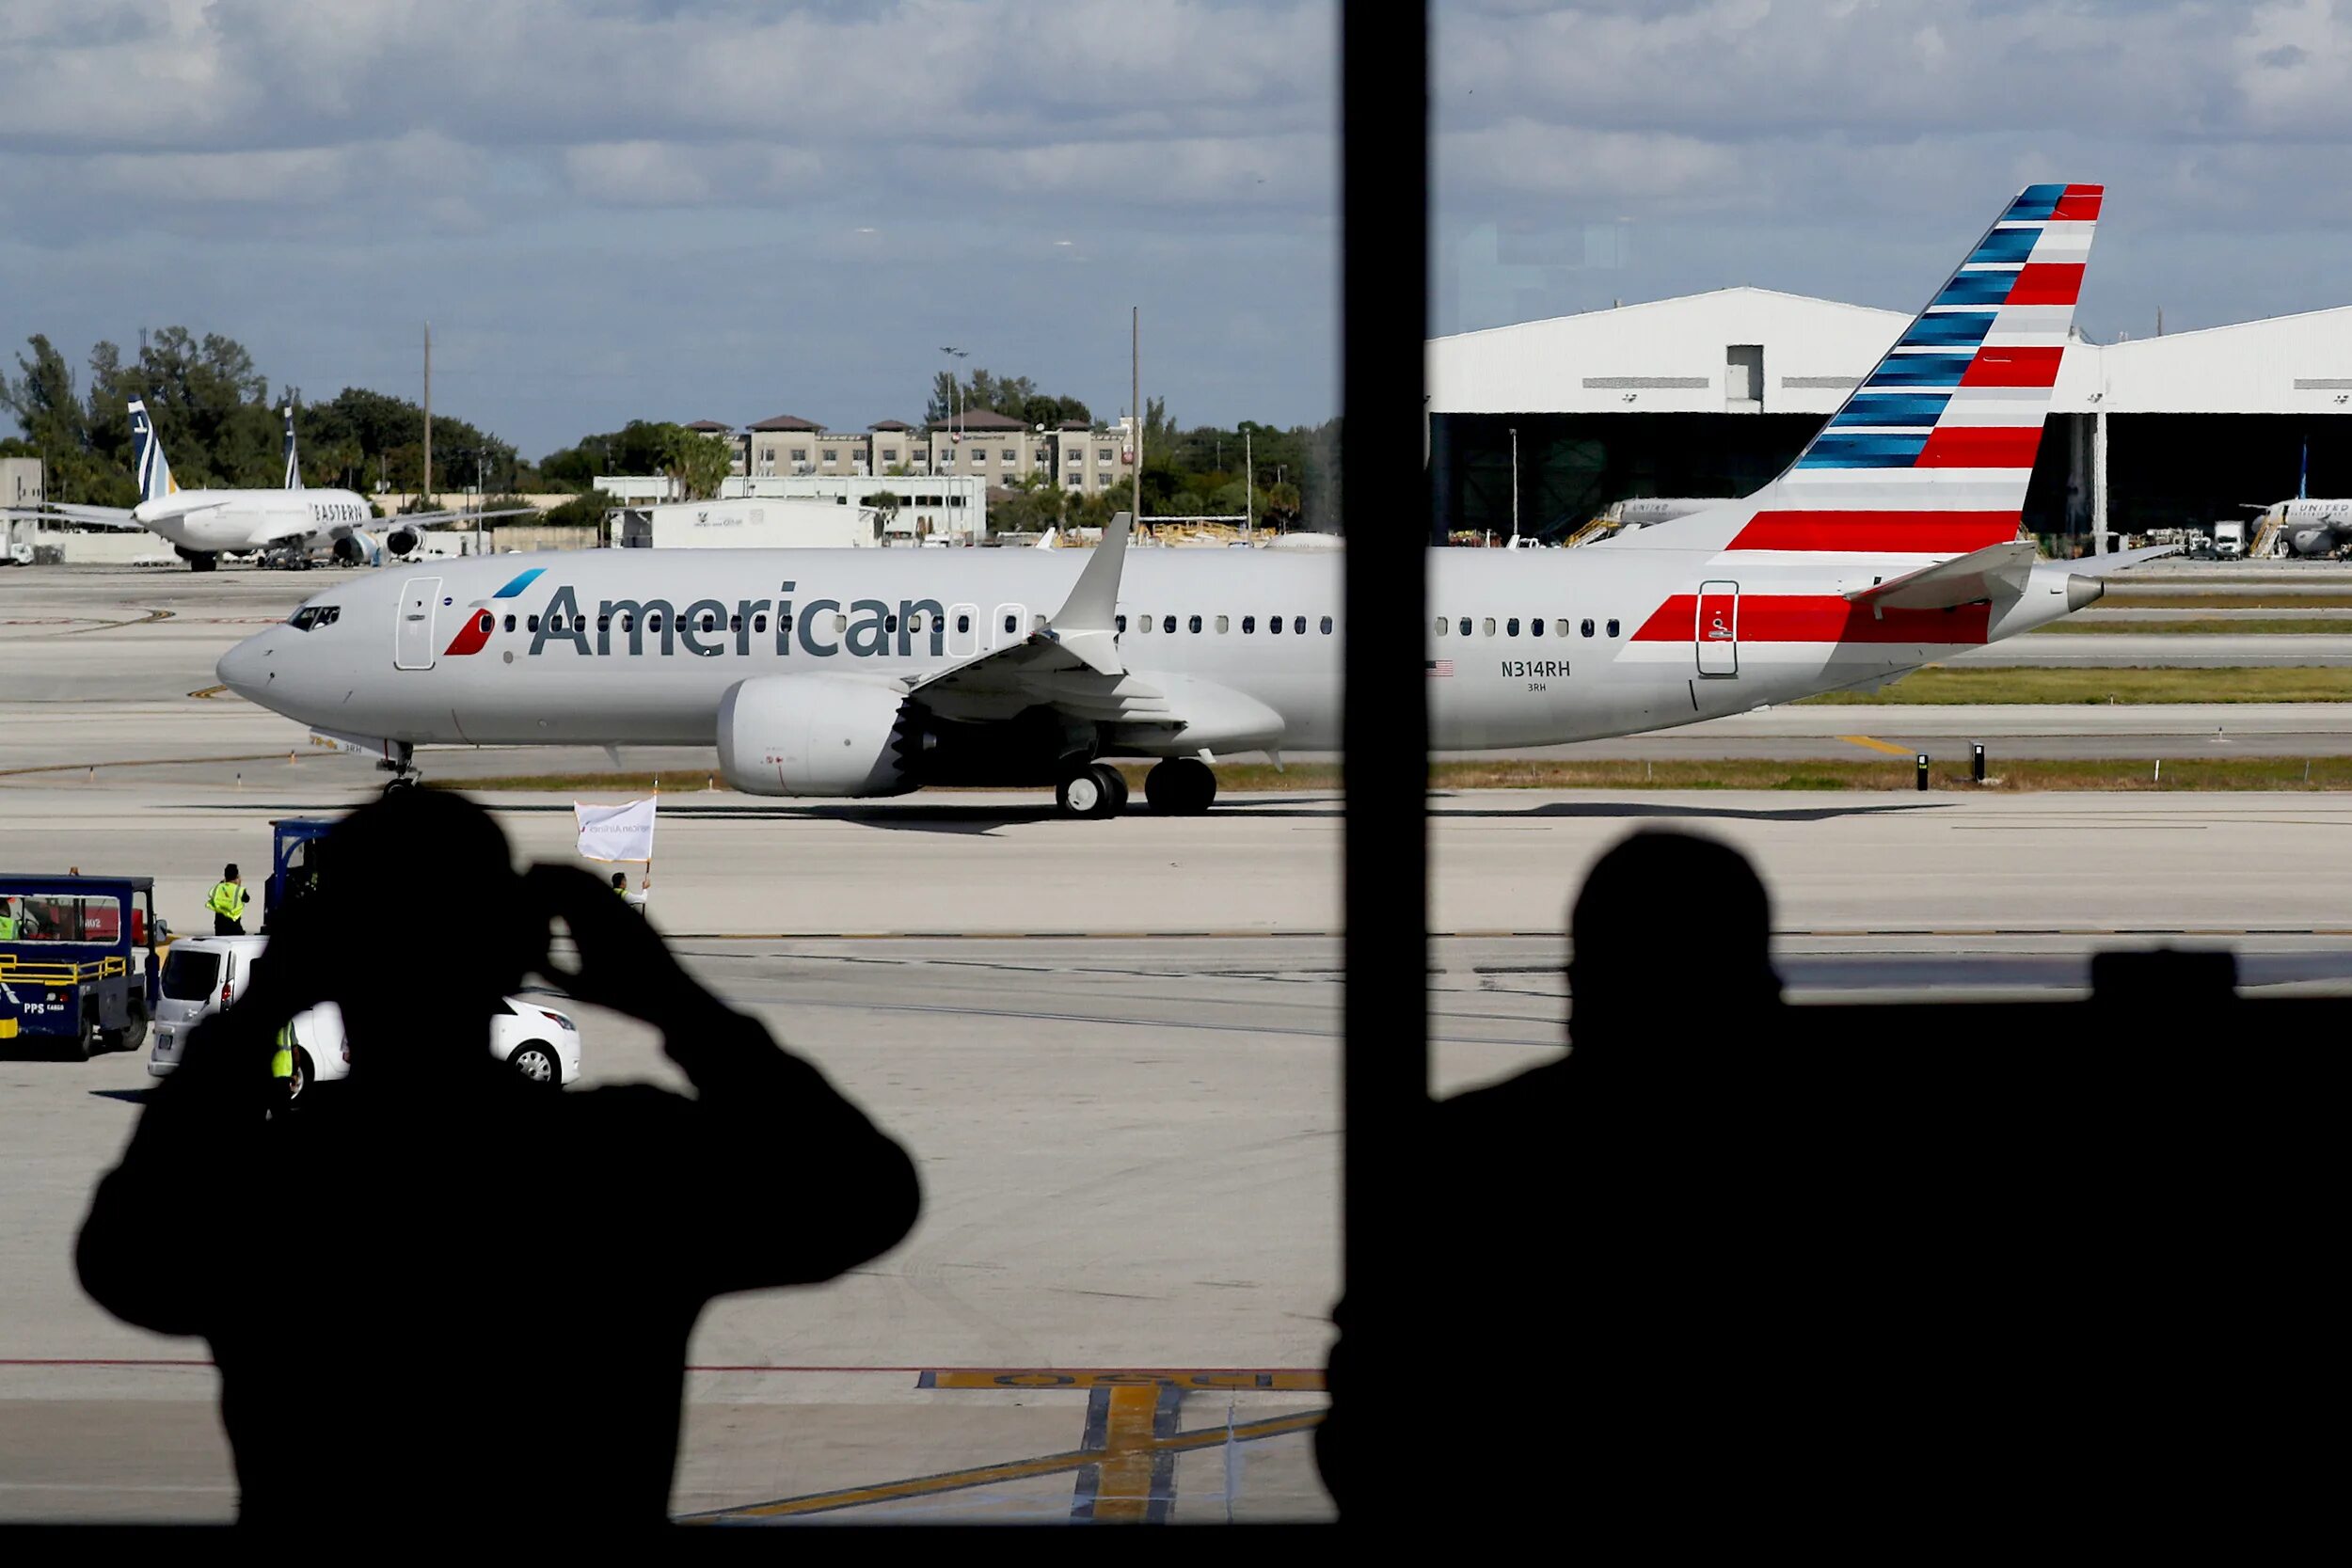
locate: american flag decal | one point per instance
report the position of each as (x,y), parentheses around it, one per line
(1439,667)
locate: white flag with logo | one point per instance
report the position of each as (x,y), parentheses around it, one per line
(616,833)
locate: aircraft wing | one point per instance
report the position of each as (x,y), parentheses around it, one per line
(93,516)
(425,520)
(1997,571)
(1075,654)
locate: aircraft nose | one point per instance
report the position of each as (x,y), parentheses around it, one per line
(248,668)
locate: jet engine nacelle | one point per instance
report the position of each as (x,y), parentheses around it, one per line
(815,735)
(358,549)
(402,541)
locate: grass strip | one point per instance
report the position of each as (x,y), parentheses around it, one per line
(2016,775)
(2254,600)
(2006,685)
(2250,627)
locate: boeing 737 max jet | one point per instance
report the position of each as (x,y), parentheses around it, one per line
(204,525)
(1890,543)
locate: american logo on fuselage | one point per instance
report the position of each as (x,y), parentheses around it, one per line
(710,627)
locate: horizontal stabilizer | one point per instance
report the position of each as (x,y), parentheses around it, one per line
(1995,572)
(2117,560)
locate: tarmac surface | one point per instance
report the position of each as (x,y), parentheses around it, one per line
(1112,1047)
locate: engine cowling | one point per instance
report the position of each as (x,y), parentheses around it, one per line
(358,549)
(815,735)
(402,541)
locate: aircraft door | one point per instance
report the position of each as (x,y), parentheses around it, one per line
(413,649)
(964,630)
(1718,631)
(1008,625)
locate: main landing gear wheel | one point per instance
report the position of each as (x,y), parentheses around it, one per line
(1181,787)
(1094,791)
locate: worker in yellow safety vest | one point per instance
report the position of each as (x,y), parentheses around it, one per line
(281,1062)
(228,903)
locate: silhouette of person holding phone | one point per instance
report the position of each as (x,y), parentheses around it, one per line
(444,1289)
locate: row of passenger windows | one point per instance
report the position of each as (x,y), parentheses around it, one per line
(1510,626)
(1225,624)
(920,620)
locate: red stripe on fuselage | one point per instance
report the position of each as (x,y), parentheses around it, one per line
(2013,367)
(2047,283)
(1878,533)
(1966,445)
(1820,618)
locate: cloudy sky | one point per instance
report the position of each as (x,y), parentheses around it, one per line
(729,209)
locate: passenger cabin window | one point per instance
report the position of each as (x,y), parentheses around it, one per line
(890,624)
(485,623)
(759,624)
(1587,629)
(1274,625)
(1143,623)
(1612,628)
(1013,623)
(1441,625)
(734,622)
(1298,624)
(1248,623)
(1512,627)
(1488,625)
(1465,625)
(841,625)
(710,622)
(1224,624)
(1561,626)
(604,623)
(1535,627)
(1194,624)
(532,624)
(1121,621)
(964,623)
(510,623)
(1326,625)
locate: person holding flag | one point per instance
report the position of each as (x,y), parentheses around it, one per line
(622,832)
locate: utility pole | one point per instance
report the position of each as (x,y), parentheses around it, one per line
(427,485)
(1249,487)
(1134,408)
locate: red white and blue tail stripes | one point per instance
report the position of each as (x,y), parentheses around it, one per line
(1932,453)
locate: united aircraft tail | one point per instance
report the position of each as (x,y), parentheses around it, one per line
(294,464)
(146,456)
(1930,453)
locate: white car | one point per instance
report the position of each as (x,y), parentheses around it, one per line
(203,975)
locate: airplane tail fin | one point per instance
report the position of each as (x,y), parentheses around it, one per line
(1930,453)
(146,456)
(294,463)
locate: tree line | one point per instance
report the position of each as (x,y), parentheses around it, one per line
(221,426)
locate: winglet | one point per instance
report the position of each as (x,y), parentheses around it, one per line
(1087,623)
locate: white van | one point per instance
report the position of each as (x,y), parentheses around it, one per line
(203,975)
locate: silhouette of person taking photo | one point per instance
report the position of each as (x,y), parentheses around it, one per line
(444,1289)
(1586,1223)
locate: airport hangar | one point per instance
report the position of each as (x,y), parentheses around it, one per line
(1713,394)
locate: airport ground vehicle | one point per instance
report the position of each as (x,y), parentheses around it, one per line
(2229,540)
(294,862)
(79,961)
(202,975)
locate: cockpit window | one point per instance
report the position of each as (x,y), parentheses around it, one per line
(311,616)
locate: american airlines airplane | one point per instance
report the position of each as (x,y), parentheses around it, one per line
(1890,543)
(204,525)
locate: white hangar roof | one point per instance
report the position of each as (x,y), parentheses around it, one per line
(1750,350)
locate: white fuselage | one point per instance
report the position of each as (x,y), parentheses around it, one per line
(235,521)
(1521,648)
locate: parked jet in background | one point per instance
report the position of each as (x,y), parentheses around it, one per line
(204,525)
(1890,543)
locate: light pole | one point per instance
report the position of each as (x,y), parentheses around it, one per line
(1514,485)
(955,394)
